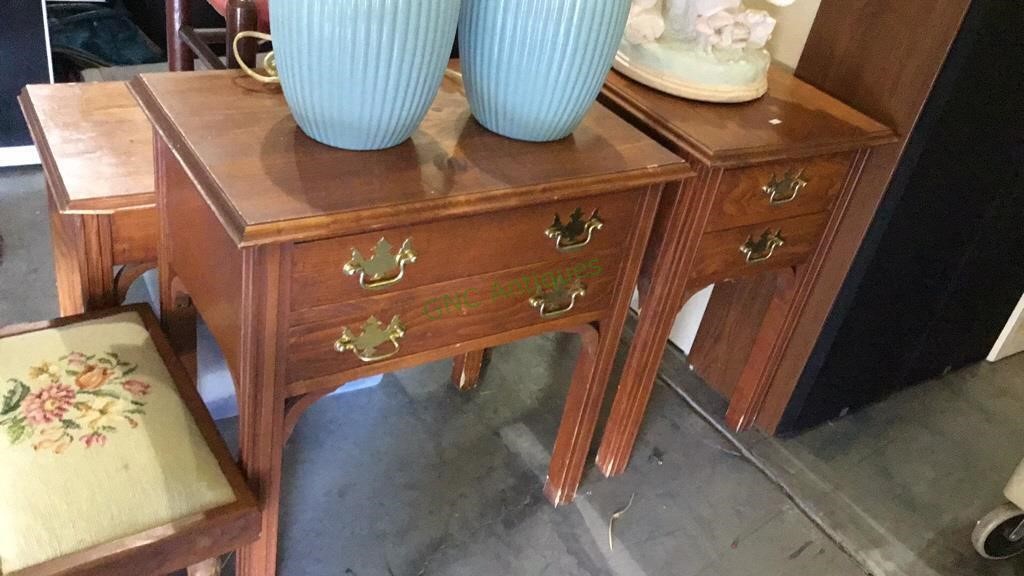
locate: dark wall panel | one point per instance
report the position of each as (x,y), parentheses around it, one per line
(22,61)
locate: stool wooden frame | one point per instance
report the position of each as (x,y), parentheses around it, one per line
(195,541)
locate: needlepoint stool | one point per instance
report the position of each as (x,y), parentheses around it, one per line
(111,464)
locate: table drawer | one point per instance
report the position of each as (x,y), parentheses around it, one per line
(432,317)
(753,249)
(330,271)
(778,190)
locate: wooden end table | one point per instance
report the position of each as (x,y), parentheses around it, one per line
(313,266)
(96,151)
(774,179)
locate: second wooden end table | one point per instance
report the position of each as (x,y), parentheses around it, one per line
(774,179)
(314,266)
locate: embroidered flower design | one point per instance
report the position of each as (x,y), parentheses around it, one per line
(136,388)
(84,397)
(93,376)
(100,413)
(76,360)
(45,371)
(49,404)
(54,439)
(94,439)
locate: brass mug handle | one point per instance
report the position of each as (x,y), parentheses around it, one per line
(269,62)
(552,304)
(576,234)
(784,190)
(374,334)
(381,263)
(763,248)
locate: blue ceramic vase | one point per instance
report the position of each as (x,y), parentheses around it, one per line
(361,74)
(533,68)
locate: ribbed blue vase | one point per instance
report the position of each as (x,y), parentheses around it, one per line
(361,74)
(532,68)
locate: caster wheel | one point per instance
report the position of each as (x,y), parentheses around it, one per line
(992,536)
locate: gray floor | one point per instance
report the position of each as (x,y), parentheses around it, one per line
(27,290)
(902,483)
(412,478)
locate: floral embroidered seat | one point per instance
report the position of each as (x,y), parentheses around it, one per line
(107,454)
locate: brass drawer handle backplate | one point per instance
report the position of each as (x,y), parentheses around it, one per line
(559,300)
(577,233)
(374,334)
(763,248)
(383,268)
(786,189)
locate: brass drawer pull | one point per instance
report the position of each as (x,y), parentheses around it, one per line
(380,270)
(786,189)
(764,248)
(559,300)
(373,336)
(577,233)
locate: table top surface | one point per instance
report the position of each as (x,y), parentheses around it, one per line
(95,143)
(268,182)
(794,119)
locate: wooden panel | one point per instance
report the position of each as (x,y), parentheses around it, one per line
(861,51)
(135,235)
(452,249)
(214,280)
(95,144)
(728,330)
(719,256)
(444,314)
(793,120)
(268,182)
(742,199)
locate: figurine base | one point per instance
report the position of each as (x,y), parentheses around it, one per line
(684,70)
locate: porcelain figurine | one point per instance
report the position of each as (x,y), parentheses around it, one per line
(710,50)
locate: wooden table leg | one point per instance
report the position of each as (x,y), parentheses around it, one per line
(210,567)
(83,260)
(752,387)
(594,367)
(667,290)
(467,369)
(262,399)
(67,259)
(178,318)
(578,420)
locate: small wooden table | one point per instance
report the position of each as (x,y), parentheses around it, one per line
(313,266)
(95,146)
(774,179)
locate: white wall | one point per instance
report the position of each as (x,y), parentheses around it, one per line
(791,33)
(786,46)
(1011,340)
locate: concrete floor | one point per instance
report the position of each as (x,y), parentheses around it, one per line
(902,482)
(412,478)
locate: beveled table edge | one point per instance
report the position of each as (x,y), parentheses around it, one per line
(58,189)
(382,217)
(625,102)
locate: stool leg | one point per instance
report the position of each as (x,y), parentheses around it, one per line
(210,567)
